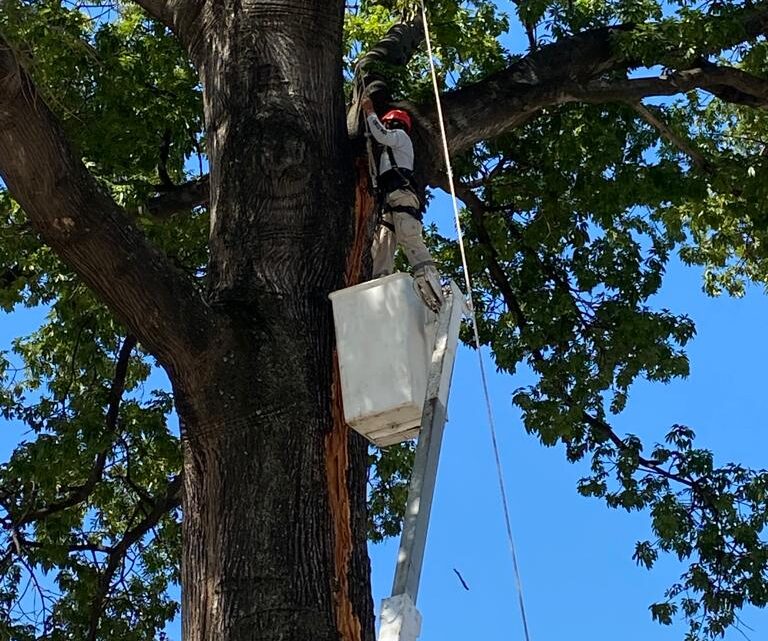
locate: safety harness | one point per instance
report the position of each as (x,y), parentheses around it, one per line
(391,180)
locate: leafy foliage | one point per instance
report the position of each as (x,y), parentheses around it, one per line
(388,489)
(98,452)
(97,457)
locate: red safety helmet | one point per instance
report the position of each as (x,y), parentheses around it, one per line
(398,115)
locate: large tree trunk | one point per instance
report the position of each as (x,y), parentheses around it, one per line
(269,536)
(258,560)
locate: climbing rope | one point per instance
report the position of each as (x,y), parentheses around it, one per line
(473,317)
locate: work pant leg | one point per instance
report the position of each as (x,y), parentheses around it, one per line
(383,248)
(408,231)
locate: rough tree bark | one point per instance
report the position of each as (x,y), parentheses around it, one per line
(267,518)
(274,525)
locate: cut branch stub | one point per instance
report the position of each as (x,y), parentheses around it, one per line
(179,198)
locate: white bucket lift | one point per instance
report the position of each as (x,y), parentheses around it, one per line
(384,338)
(396,359)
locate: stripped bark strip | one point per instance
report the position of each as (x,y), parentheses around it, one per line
(337,441)
(364,224)
(347,621)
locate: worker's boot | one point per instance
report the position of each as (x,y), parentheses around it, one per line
(430,289)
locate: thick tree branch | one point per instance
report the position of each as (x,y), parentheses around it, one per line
(574,69)
(89,231)
(180,16)
(739,86)
(561,72)
(185,18)
(507,98)
(395,48)
(725,82)
(179,199)
(161,10)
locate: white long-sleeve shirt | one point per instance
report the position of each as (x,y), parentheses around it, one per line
(395,139)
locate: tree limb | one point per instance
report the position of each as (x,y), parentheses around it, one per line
(395,48)
(739,87)
(82,492)
(684,145)
(161,10)
(573,69)
(477,208)
(178,199)
(182,17)
(561,72)
(89,231)
(168,500)
(728,83)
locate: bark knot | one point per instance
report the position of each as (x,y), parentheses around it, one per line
(64,225)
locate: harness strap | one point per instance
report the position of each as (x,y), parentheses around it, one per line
(392,161)
(411,211)
(423,263)
(405,175)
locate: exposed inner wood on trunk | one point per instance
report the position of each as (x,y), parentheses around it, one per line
(337,441)
(364,223)
(337,461)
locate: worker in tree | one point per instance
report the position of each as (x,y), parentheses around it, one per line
(400,216)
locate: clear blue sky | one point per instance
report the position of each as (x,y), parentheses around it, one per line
(579,580)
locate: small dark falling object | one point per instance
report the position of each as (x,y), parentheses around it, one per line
(461,578)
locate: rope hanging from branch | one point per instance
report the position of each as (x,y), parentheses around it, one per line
(473,317)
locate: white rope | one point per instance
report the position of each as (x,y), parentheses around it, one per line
(468,284)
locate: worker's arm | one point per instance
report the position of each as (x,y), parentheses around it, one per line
(381,134)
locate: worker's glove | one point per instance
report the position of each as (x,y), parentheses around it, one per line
(428,284)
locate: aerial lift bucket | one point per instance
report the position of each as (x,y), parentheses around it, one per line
(396,359)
